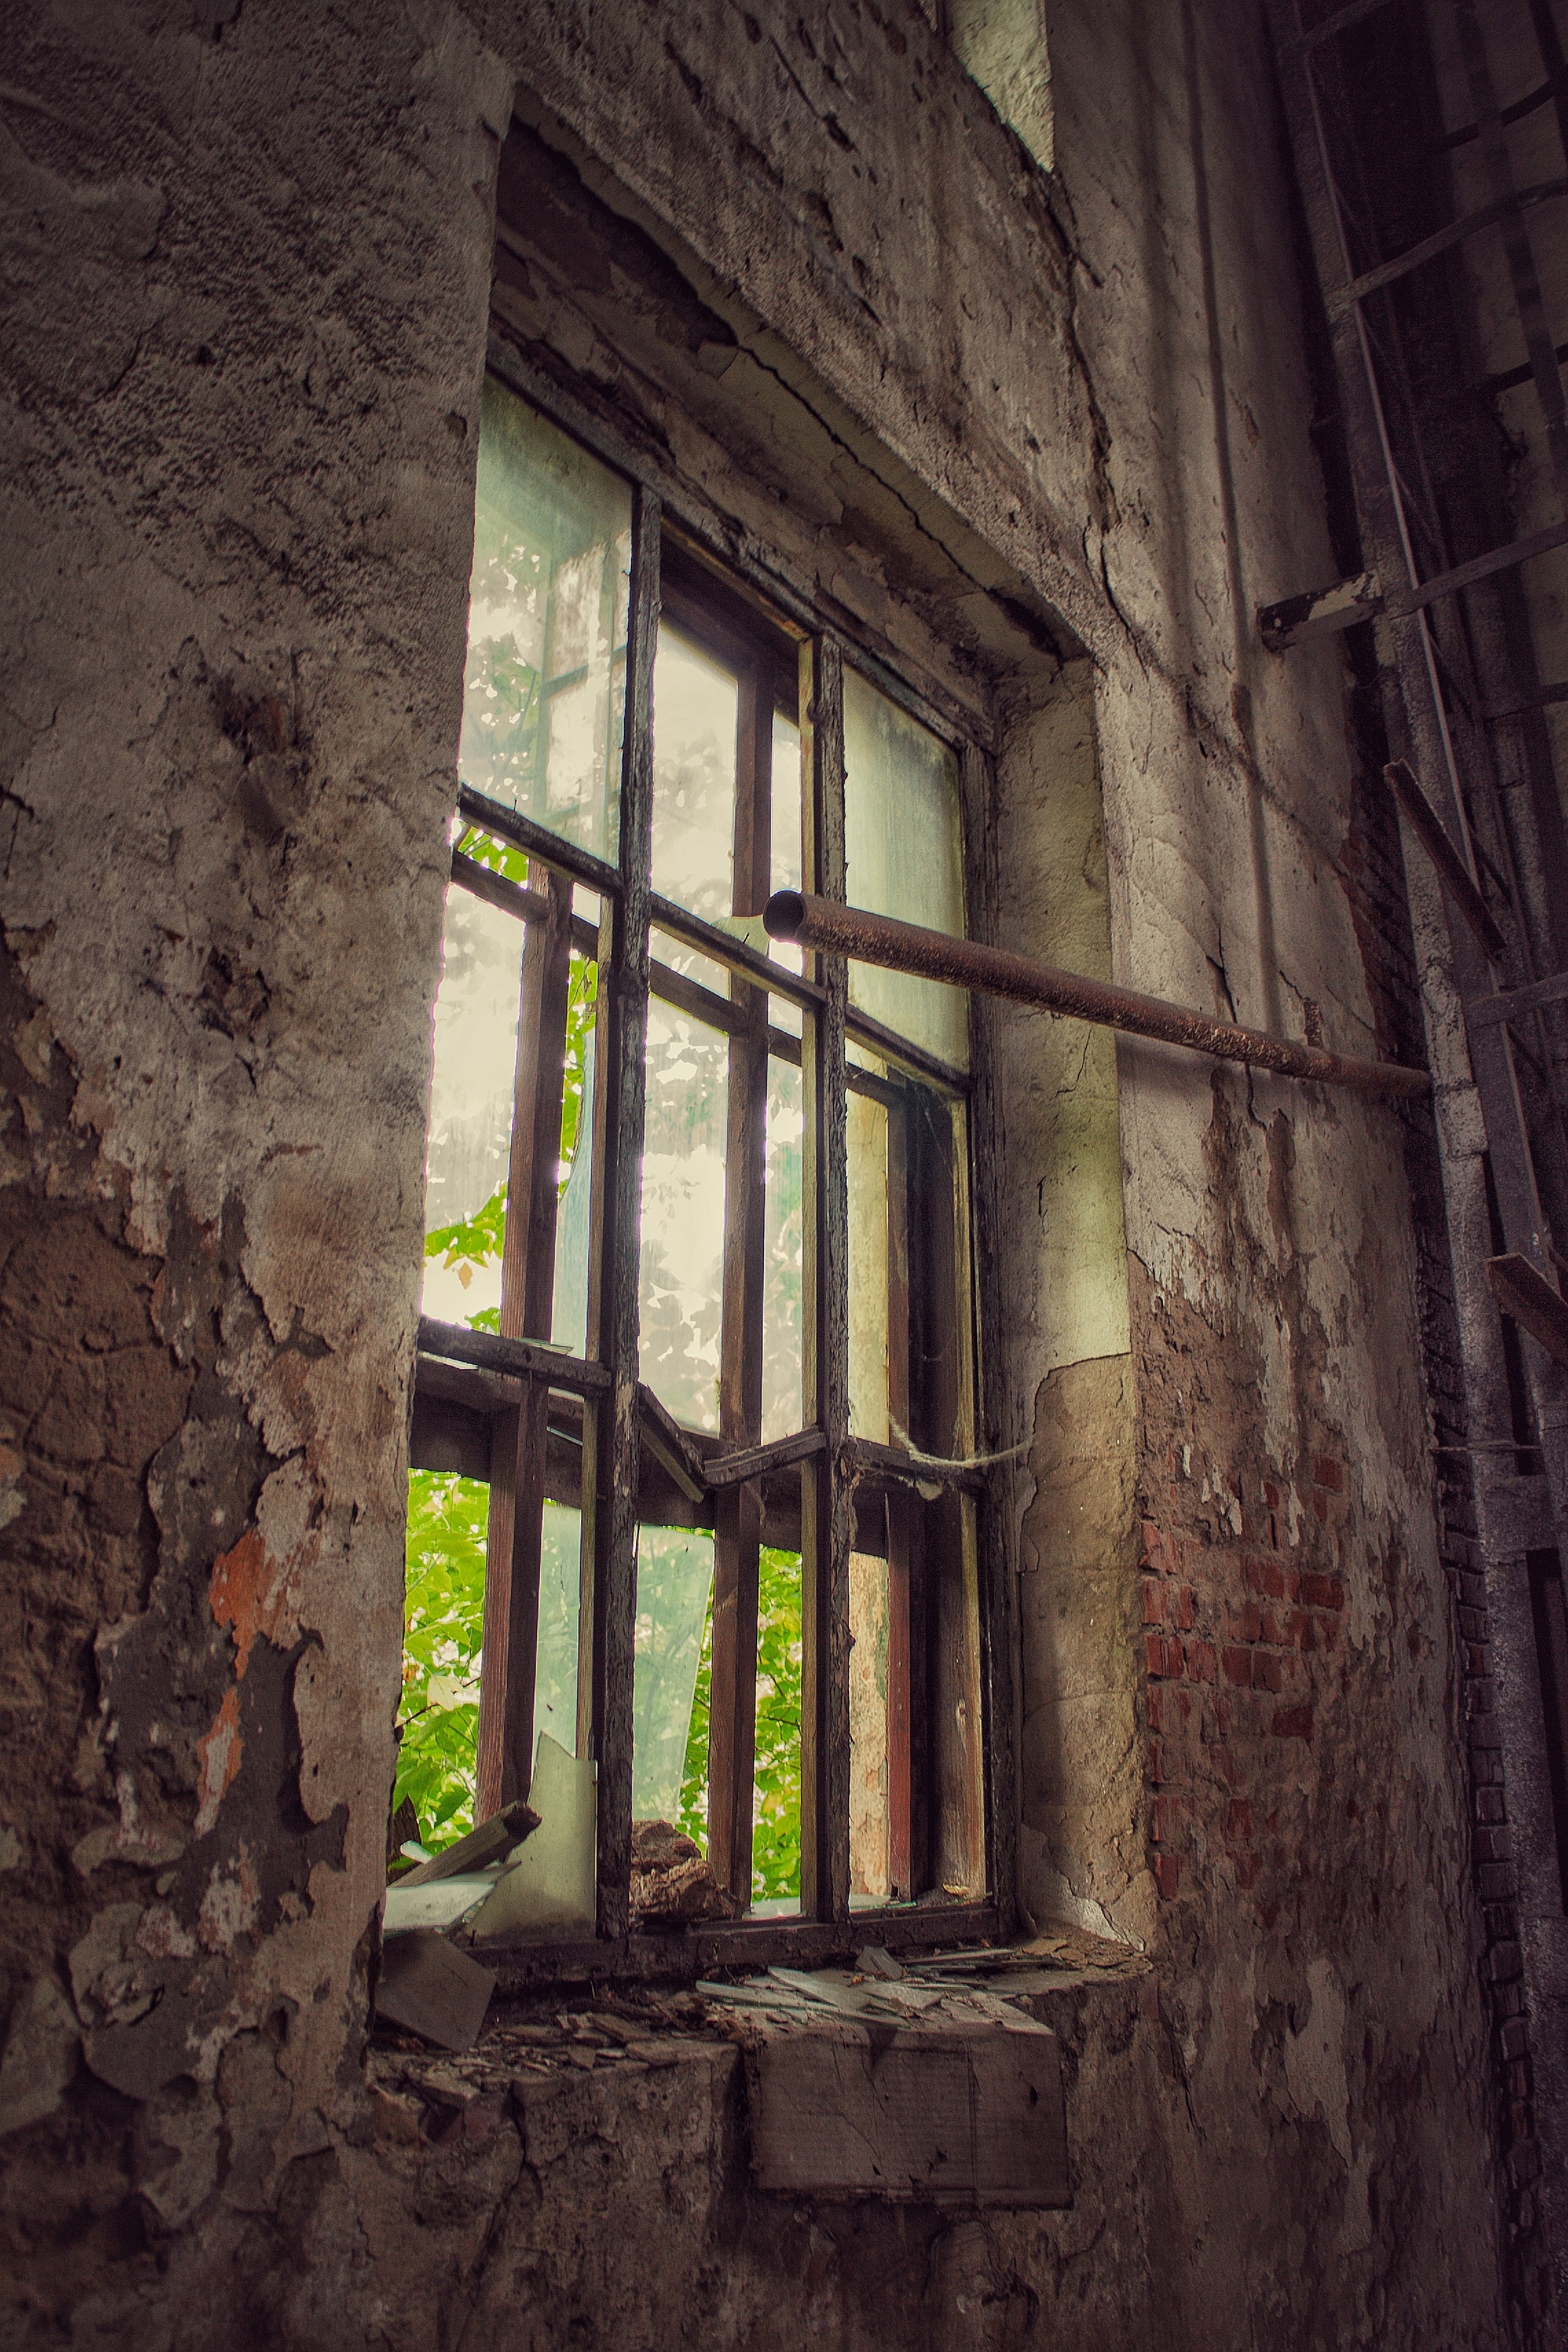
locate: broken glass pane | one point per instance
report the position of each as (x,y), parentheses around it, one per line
(904,857)
(865,1127)
(470,1110)
(775,1799)
(544,690)
(784,1262)
(683,1214)
(694,703)
(675,1579)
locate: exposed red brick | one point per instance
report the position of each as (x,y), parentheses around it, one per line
(1326,1472)
(1239,1822)
(1293,1723)
(1264,1576)
(1201,1662)
(1237,1665)
(1167,1874)
(1267,1671)
(1320,1591)
(1154,1601)
(1184,1607)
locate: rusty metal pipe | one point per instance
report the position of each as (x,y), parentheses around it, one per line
(821,923)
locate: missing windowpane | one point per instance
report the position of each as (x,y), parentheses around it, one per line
(682,1277)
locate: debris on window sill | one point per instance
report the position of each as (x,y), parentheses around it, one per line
(672,1884)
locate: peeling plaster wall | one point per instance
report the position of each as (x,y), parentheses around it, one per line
(248,256)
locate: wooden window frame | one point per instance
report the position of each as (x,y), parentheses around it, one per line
(529,1399)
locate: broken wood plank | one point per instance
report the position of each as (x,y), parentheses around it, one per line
(965,2116)
(722,1470)
(431,1988)
(483,1844)
(1523,1291)
(528,1360)
(670,1446)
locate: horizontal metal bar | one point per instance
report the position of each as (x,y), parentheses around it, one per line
(760,1461)
(1540,96)
(1514,1003)
(1537,700)
(1523,1291)
(550,849)
(1401,601)
(525,1359)
(1372,281)
(1451,867)
(996,971)
(1339,22)
(1320,612)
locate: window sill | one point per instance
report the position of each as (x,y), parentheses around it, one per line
(682,1955)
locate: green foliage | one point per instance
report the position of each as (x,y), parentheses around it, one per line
(775,1808)
(442,1629)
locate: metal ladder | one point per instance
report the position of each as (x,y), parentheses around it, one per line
(1482,859)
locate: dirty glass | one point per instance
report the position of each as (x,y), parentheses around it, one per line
(470,1110)
(866,1130)
(904,857)
(560,1590)
(694,711)
(544,690)
(869,1872)
(682,1274)
(784,847)
(675,1581)
(784,1260)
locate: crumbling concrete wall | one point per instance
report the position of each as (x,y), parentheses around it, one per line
(248,255)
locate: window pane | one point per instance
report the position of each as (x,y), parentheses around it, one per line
(544,690)
(904,854)
(694,704)
(865,1127)
(683,1214)
(569,1309)
(560,1595)
(785,851)
(784,1262)
(869,1854)
(675,1581)
(470,1111)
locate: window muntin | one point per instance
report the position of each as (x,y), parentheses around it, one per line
(870,1786)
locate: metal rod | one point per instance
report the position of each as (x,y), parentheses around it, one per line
(866,937)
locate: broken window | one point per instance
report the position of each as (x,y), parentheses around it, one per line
(695,1402)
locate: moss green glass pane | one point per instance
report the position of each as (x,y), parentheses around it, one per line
(683,1214)
(904,854)
(674,1579)
(544,690)
(865,1127)
(784,1262)
(694,700)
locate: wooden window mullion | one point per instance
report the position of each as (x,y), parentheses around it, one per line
(738,1519)
(825,1487)
(902,1852)
(611,1443)
(504,1764)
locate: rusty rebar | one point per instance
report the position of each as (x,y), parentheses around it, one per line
(865,938)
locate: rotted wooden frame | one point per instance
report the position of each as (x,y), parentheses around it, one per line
(563,1428)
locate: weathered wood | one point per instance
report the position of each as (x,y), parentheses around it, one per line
(504,1760)
(737,1527)
(614,1437)
(1523,1291)
(551,850)
(897,1507)
(970,2116)
(431,1988)
(722,1470)
(670,1446)
(826,1533)
(484,1843)
(519,1358)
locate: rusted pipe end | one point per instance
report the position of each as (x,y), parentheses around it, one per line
(784,915)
